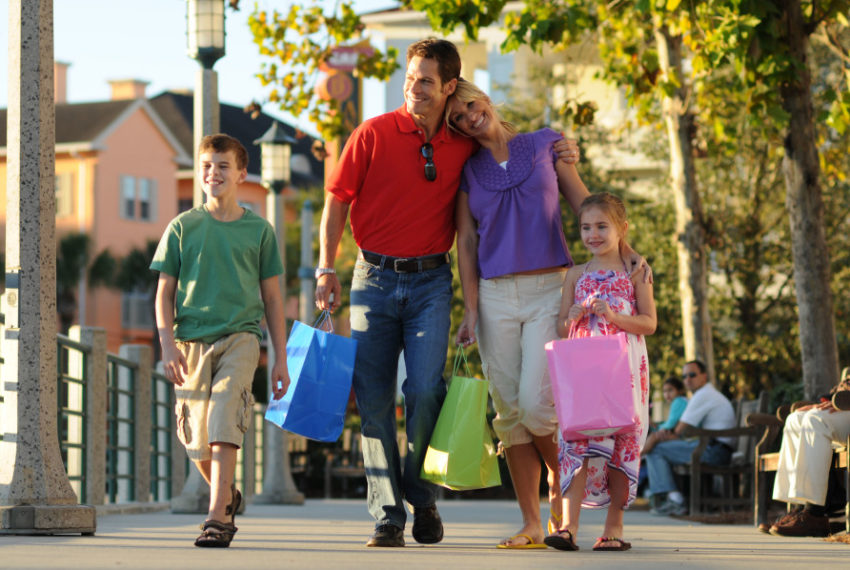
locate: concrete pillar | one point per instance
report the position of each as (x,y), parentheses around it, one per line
(142,355)
(95,406)
(278,486)
(35,494)
(205,119)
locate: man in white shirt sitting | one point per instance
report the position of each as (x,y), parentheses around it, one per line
(707,409)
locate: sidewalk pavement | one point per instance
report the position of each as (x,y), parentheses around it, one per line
(333,533)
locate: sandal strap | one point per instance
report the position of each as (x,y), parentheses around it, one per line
(219,526)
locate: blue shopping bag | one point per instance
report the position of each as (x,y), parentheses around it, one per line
(320,365)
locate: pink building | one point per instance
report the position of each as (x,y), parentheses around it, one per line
(124,169)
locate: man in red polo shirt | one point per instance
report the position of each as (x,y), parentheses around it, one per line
(399,174)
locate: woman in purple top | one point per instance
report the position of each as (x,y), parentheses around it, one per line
(512,258)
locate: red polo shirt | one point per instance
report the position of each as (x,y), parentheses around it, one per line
(395,210)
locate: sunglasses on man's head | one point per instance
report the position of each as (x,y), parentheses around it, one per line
(427,152)
(687,375)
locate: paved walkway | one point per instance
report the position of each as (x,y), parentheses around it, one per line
(332,534)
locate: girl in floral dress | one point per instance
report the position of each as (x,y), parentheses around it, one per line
(600,298)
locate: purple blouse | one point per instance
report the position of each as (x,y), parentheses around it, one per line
(517,209)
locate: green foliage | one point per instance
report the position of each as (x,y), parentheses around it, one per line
(297,43)
(73,257)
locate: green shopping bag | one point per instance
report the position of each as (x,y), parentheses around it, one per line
(461,455)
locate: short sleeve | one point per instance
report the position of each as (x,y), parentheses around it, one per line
(166,259)
(270,261)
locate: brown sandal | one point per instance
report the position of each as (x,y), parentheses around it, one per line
(621,544)
(216,534)
(235,502)
(561,542)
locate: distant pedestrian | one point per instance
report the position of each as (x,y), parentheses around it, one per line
(219,267)
(601,298)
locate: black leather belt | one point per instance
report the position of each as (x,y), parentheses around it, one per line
(722,444)
(406,264)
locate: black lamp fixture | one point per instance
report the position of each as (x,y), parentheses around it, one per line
(276,153)
(205,31)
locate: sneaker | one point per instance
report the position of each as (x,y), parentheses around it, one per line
(804,524)
(387,535)
(427,525)
(670,508)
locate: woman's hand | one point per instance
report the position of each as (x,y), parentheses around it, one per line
(568,151)
(466,331)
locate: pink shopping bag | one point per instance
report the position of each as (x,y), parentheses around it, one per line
(592,386)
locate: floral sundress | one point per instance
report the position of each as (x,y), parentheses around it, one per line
(621,451)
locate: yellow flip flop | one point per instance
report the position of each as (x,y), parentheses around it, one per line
(529,544)
(553,527)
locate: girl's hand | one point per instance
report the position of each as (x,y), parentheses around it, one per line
(602,309)
(576,312)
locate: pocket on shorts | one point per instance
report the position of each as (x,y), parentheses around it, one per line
(245,410)
(184,426)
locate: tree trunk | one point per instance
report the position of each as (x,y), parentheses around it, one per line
(690,233)
(804,202)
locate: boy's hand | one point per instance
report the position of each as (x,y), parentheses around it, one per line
(280,378)
(567,150)
(174,364)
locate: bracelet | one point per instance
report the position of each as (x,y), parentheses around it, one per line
(324,271)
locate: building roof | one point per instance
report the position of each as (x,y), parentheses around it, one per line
(79,122)
(176,110)
(89,123)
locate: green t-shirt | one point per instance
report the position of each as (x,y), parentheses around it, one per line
(218,266)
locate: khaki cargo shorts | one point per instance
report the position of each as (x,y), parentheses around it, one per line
(214,405)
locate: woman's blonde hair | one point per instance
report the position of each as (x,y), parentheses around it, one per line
(610,205)
(467,92)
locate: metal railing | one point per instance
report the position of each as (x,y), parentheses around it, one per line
(71,406)
(120,428)
(162,422)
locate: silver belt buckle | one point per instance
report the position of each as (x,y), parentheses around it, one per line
(396,262)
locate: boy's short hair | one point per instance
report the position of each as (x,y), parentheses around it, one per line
(443,52)
(223,143)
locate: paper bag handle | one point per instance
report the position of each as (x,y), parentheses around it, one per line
(458,356)
(324,320)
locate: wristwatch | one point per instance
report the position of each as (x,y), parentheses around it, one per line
(324,271)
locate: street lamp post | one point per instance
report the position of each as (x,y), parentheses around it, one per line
(275,153)
(205,39)
(205,44)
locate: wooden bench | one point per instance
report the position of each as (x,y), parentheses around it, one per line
(736,476)
(767,460)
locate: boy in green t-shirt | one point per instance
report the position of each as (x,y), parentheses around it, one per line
(219,267)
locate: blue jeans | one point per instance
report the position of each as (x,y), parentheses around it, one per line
(391,312)
(665,454)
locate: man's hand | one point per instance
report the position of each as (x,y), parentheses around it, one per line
(327,292)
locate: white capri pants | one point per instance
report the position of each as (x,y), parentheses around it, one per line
(806,453)
(517,317)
